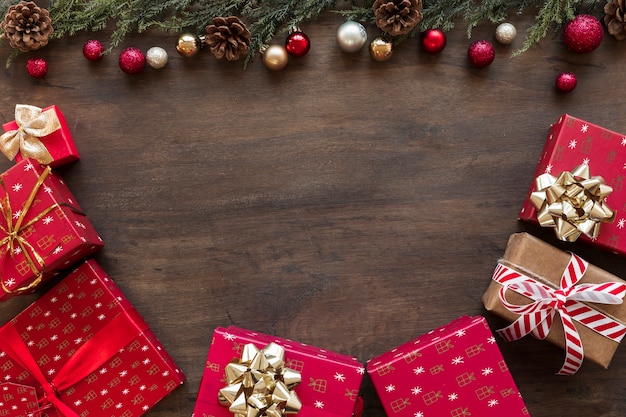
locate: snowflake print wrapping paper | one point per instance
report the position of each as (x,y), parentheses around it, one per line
(455,370)
(572,142)
(330,381)
(82,350)
(43,230)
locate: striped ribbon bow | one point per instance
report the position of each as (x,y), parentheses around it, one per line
(537,317)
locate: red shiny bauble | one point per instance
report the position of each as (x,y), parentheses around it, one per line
(481,53)
(433,41)
(93,50)
(583,34)
(565,82)
(37,67)
(132,60)
(297,44)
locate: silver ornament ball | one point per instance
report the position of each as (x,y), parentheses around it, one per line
(351,36)
(156,57)
(506,33)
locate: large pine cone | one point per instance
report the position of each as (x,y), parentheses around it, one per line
(27,26)
(397,17)
(227,37)
(614,18)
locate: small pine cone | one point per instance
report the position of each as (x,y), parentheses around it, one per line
(26,26)
(614,12)
(228,37)
(397,17)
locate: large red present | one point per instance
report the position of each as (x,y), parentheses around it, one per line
(456,370)
(329,382)
(42,134)
(580,164)
(43,230)
(83,350)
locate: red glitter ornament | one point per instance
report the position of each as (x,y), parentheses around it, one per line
(37,67)
(132,60)
(481,53)
(433,41)
(565,82)
(93,50)
(297,44)
(583,34)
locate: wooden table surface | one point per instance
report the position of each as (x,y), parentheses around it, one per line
(342,202)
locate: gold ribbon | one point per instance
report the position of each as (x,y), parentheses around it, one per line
(573,203)
(33,123)
(259,384)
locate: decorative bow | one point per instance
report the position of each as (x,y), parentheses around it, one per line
(259,384)
(537,317)
(33,123)
(573,203)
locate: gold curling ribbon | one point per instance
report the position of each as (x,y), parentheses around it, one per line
(260,385)
(573,203)
(33,123)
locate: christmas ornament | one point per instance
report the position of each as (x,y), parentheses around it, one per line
(381,49)
(397,17)
(297,43)
(227,37)
(189,44)
(614,18)
(566,82)
(506,33)
(37,67)
(583,34)
(351,36)
(93,50)
(481,53)
(275,57)
(132,60)
(26,26)
(433,41)
(156,57)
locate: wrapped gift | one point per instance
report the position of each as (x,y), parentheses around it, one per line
(559,297)
(82,349)
(578,188)
(318,383)
(456,370)
(42,228)
(41,134)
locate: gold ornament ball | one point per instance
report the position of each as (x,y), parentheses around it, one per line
(275,57)
(188,45)
(506,33)
(156,57)
(381,49)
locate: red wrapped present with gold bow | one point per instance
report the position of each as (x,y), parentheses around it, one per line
(82,350)
(43,230)
(250,373)
(41,134)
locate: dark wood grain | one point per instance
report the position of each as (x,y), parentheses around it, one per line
(341,202)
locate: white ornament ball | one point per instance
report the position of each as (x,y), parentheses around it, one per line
(351,36)
(156,57)
(506,33)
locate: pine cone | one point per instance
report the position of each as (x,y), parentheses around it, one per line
(27,26)
(227,37)
(397,17)
(614,18)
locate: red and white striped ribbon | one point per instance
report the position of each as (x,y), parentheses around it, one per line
(536,318)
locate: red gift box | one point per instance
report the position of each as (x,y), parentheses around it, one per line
(573,142)
(42,228)
(330,381)
(456,370)
(82,349)
(55,149)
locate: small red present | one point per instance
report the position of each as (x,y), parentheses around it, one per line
(41,134)
(42,228)
(313,382)
(578,188)
(82,349)
(456,370)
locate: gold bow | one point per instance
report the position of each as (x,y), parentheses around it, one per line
(259,384)
(573,203)
(33,123)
